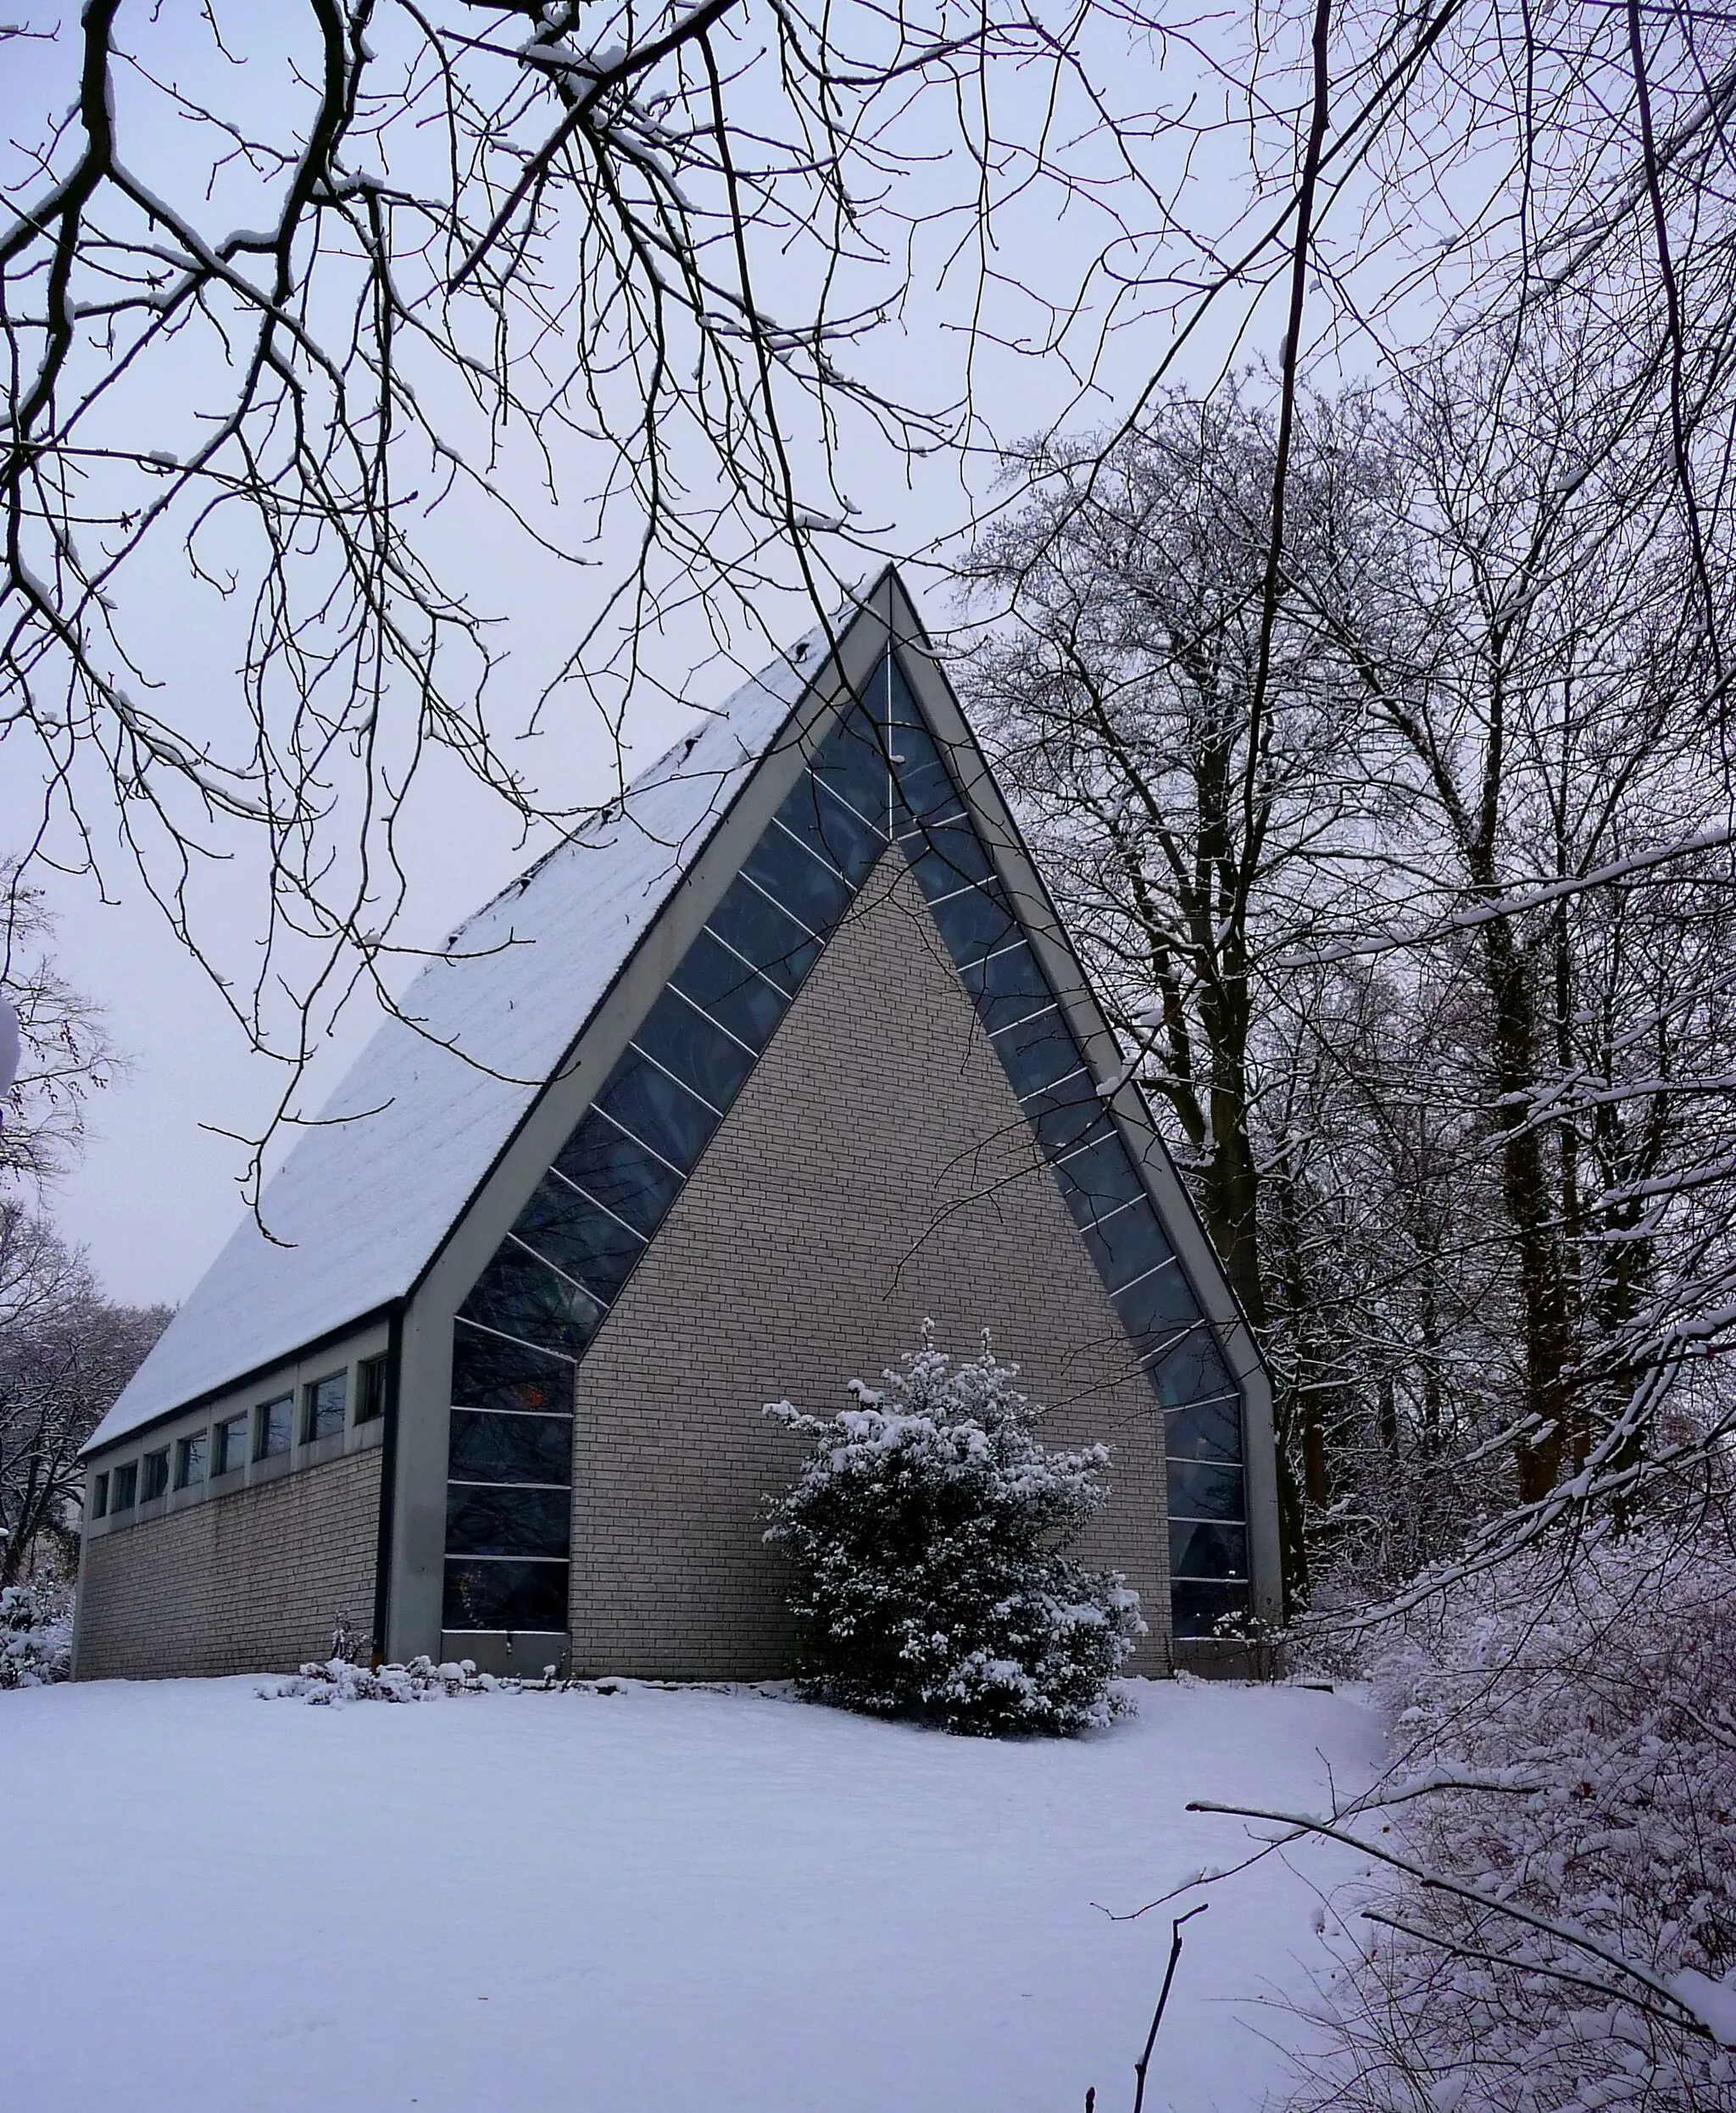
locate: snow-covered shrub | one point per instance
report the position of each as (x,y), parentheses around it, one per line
(928,1532)
(339,1680)
(1594,1699)
(35,1635)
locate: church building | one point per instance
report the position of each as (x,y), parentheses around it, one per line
(765,1064)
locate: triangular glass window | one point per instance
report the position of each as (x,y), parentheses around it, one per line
(535,1309)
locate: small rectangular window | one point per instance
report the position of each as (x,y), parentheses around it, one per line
(847,840)
(485,1447)
(125,1487)
(851,764)
(947,856)
(975,922)
(324,1403)
(750,924)
(520,1521)
(271,1428)
(1205,1489)
(371,1389)
(814,894)
(99,1496)
(1199,1606)
(513,1595)
(1006,986)
(232,1445)
(156,1478)
(1208,1548)
(190,1461)
(1205,1431)
(1128,1245)
(924,781)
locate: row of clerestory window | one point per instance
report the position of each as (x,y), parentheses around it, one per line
(262,1432)
(541,1300)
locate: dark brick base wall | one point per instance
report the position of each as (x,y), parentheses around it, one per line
(875,1170)
(243,1583)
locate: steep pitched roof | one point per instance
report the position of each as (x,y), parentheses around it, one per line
(413,1121)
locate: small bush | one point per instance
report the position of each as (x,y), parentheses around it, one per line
(339,1681)
(928,1531)
(35,1635)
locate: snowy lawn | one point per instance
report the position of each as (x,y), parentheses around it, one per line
(660,1902)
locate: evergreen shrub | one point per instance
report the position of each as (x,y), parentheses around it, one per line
(928,1532)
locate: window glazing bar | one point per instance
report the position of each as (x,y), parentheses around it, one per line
(601,1304)
(1078,1071)
(805,929)
(540,1349)
(711,1020)
(1024,1020)
(470,1481)
(802,843)
(565,1414)
(650,1059)
(650,1150)
(554,1562)
(969,888)
(567,1181)
(931,822)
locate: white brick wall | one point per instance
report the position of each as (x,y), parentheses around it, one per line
(247,1582)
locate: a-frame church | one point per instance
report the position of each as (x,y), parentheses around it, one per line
(760,1067)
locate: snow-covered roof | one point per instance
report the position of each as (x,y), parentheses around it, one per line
(365,1198)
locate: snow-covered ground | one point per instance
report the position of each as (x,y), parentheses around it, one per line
(657,1902)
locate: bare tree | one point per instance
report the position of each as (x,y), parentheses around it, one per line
(285,292)
(65,1353)
(1426,944)
(281,290)
(66,1053)
(1554,735)
(1187,766)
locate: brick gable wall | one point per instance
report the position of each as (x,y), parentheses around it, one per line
(875,1169)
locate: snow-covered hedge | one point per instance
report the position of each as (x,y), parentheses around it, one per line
(928,1532)
(1594,1699)
(35,1635)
